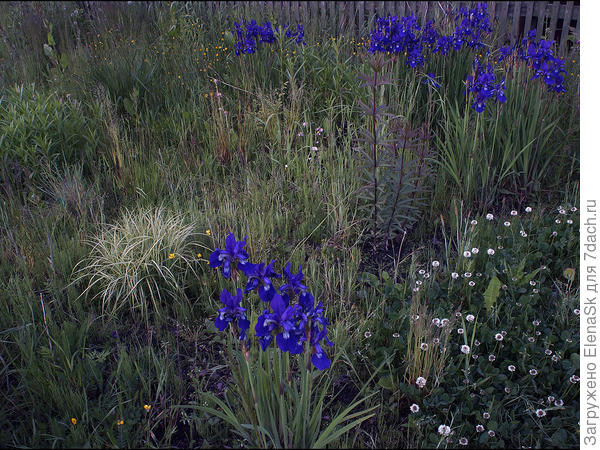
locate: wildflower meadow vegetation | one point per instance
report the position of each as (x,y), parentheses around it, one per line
(226,231)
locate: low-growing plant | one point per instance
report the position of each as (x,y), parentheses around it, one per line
(40,130)
(140,263)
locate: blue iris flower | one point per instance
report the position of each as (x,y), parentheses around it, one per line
(485,86)
(249,34)
(318,357)
(430,79)
(260,274)
(232,312)
(234,251)
(284,322)
(293,285)
(540,57)
(318,329)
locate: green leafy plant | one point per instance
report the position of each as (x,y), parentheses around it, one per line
(395,162)
(41,130)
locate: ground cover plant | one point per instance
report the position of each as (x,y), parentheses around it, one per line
(408,275)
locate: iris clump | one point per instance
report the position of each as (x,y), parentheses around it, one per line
(474,25)
(404,35)
(393,35)
(248,34)
(293,326)
(485,86)
(540,57)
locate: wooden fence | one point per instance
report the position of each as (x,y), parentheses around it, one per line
(559,19)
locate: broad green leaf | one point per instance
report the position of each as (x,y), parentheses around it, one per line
(491,293)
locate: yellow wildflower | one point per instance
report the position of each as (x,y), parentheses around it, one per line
(120,422)
(73,420)
(208,232)
(171,255)
(147,407)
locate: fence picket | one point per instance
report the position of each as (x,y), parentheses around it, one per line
(528,17)
(554,19)
(540,13)
(516,19)
(361,17)
(565,27)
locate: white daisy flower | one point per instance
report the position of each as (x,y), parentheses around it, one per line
(414,408)
(444,430)
(489,216)
(470,317)
(465,349)
(491,251)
